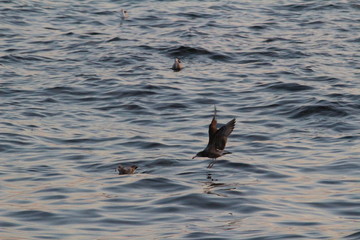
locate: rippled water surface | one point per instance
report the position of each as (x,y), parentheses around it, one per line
(82,91)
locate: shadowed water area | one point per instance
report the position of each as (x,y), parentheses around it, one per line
(82,91)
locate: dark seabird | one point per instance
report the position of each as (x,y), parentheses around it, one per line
(177,66)
(217,140)
(127,170)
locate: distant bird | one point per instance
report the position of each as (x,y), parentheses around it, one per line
(124,14)
(217,140)
(177,66)
(127,170)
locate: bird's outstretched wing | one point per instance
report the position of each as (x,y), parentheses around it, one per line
(213,126)
(222,134)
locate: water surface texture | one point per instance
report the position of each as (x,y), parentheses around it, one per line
(82,91)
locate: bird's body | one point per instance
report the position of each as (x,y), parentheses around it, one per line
(127,170)
(177,66)
(124,14)
(217,140)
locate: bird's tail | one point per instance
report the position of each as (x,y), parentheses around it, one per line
(226,152)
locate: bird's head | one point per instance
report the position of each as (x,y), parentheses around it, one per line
(200,154)
(177,60)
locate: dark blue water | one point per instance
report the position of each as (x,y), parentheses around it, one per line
(82,91)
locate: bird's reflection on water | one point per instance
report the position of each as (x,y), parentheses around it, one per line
(212,183)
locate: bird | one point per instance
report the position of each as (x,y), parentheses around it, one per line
(127,170)
(177,66)
(124,14)
(217,140)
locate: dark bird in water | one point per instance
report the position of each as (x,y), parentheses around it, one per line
(127,170)
(217,140)
(177,66)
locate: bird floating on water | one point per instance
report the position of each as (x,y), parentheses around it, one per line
(217,140)
(177,66)
(127,170)
(124,14)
